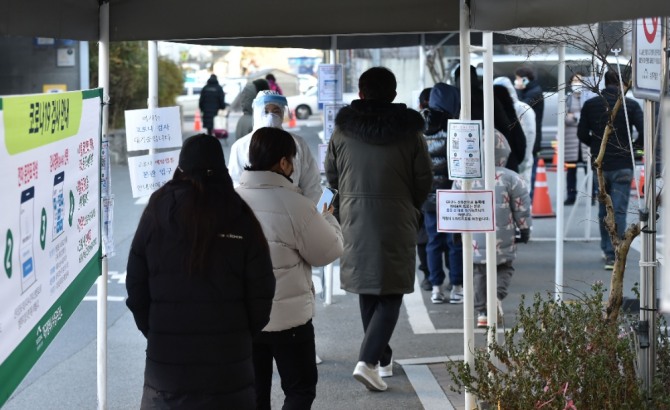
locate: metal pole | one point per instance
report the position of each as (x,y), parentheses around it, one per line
(152,101)
(489,184)
(647,354)
(468,296)
(101,344)
(84,78)
(560,175)
(422,63)
(665,147)
(333,49)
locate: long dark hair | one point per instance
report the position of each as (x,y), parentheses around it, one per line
(207,206)
(268,146)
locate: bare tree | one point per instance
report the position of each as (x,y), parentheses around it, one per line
(585,38)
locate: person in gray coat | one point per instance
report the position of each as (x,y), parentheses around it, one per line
(378,160)
(246,122)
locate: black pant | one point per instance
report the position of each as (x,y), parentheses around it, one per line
(295,354)
(380,315)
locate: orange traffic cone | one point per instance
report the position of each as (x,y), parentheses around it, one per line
(292,121)
(554,158)
(541,201)
(197,122)
(640,187)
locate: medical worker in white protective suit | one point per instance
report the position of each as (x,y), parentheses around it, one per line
(270,109)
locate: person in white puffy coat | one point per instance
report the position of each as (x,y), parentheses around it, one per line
(526,117)
(299,236)
(269,110)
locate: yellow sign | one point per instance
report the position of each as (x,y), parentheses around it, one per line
(54,88)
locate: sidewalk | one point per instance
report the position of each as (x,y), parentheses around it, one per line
(428,335)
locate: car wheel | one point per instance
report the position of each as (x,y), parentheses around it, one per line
(303,112)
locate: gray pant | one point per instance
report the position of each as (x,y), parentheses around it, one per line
(504,274)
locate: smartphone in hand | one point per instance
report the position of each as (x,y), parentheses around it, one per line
(327,197)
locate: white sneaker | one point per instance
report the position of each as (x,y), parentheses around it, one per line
(437,296)
(482,320)
(456,295)
(386,371)
(369,376)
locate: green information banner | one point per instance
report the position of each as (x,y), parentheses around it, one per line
(49,220)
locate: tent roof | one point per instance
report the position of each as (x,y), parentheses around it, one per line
(348,42)
(180,20)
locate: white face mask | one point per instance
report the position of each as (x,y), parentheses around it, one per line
(271,120)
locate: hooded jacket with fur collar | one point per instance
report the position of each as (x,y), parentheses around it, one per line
(378,160)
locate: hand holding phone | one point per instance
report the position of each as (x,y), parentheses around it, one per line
(326,201)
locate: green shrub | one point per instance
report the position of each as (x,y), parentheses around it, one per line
(560,353)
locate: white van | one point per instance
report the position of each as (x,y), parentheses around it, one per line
(545,68)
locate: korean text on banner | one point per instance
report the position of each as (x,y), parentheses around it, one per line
(49,220)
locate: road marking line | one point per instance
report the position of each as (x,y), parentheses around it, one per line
(427,389)
(417,313)
(109,298)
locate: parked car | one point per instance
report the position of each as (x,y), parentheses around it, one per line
(188,100)
(306,104)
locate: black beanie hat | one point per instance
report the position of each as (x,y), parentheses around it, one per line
(202,153)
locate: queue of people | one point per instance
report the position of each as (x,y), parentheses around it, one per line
(219,274)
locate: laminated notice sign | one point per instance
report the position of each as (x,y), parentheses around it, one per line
(465,211)
(464,149)
(49,220)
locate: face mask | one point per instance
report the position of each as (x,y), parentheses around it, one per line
(271,120)
(576,88)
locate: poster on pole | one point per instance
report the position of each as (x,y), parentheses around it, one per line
(464,149)
(648,34)
(150,172)
(323,151)
(153,128)
(329,113)
(331,83)
(49,220)
(465,211)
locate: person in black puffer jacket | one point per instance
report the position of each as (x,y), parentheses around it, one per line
(212,99)
(200,286)
(444,104)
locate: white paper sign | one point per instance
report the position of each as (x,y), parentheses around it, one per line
(150,172)
(465,211)
(464,149)
(648,55)
(323,150)
(329,113)
(331,83)
(153,128)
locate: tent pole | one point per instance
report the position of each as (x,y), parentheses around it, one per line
(560,175)
(489,184)
(103,82)
(466,113)
(422,63)
(647,352)
(152,101)
(333,50)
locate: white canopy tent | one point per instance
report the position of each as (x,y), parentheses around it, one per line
(118,20)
